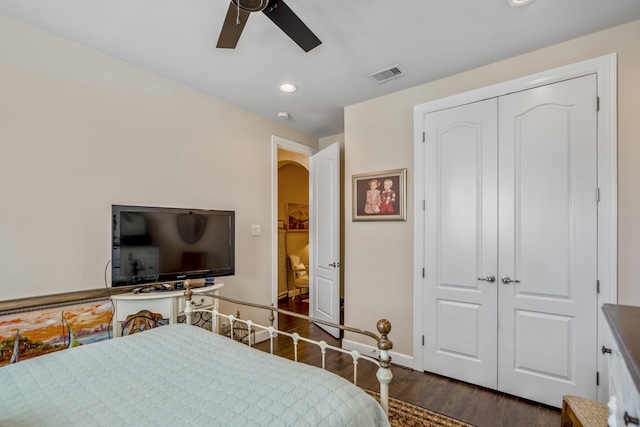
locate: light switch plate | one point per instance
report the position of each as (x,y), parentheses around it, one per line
(255,230)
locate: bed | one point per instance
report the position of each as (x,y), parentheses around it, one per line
(178,374)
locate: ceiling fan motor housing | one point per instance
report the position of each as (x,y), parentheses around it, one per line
(251,5)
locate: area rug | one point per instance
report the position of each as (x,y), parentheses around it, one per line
(403,414)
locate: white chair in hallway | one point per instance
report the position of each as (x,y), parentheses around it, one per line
(299,275)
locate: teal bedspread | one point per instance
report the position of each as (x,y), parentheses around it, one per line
(177,375)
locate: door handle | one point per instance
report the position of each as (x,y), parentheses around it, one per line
(334,264)
(628,419)
(506,280)
(489,279)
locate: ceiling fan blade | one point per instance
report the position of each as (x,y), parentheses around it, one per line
(288,21)
(231,31)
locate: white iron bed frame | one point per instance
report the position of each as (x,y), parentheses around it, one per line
(383,362)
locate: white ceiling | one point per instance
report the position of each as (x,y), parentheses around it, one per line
(429,39)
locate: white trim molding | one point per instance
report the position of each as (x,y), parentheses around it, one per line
(279,142)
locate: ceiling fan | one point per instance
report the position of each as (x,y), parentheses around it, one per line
(277,11)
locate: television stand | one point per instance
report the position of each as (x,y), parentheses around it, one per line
(170,304)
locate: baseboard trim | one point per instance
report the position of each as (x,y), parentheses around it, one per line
(261,336)
(369,350)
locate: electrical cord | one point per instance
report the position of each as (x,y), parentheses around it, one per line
(113,306)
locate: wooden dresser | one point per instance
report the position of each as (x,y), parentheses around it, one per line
(624,365)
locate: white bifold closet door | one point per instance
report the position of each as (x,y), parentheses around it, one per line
(511,242)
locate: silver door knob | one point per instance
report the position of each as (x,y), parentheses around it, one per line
(489,279)
(334,264)
(506,280)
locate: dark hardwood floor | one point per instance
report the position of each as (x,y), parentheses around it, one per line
(466,402)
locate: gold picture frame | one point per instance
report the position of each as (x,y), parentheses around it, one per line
(380,196)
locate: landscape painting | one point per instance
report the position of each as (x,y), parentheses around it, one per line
(32,333)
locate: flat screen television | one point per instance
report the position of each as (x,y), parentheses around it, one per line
(154,244)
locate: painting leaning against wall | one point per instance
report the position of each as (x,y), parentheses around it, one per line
(36,332)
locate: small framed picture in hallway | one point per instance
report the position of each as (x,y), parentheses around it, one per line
(297,217)
(380,196)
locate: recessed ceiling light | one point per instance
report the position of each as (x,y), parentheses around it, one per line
(518,3)
(288,87)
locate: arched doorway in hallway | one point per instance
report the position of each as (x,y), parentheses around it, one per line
(293,231)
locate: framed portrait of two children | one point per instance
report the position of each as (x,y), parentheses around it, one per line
(380,196)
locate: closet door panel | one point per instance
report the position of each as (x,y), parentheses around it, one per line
(461,226)
(459,195)
(543,207)
(547,241)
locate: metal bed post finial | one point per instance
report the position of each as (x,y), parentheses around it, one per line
(188,293)
(384,373)
(271,316)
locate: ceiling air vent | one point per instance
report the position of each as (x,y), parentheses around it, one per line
(387,74)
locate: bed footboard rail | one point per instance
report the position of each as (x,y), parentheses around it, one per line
(384,345)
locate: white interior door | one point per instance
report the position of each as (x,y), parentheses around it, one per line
(548,241)
(461,243)
(510,189)
(324,237)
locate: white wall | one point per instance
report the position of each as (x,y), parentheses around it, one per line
(329,140)
(80,131)
(379,136)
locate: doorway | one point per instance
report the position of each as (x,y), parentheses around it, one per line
(293,231)
(320,221)
(292,155)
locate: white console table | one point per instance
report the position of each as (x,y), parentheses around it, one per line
(170,304)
